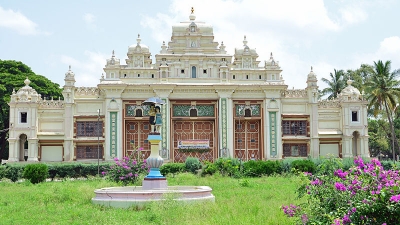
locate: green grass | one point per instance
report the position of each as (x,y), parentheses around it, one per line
(246,201)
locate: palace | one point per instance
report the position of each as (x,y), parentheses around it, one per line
(228,105)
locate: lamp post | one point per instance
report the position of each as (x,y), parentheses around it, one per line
(98,143)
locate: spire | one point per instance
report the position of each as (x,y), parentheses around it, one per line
(138,39)
(245,41)
(113,54)
(271,56)
(192,16)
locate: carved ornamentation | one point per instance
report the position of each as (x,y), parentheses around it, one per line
(294,93)
(327,103)
(87,91)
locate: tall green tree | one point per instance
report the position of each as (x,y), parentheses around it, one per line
(336,84)
(383,93)
(12,76)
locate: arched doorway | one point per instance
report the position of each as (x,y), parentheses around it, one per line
(356,144)
(23,147)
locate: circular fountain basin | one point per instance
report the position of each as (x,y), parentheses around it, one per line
(125,197)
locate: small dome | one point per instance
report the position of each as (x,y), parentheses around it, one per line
(69,73)
(138,47)
(312,75)
(351,91)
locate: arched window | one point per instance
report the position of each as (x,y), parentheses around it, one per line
(247,113)
(193,113)
(139,113)
(193,72)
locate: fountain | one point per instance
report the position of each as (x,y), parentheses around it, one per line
(154,186)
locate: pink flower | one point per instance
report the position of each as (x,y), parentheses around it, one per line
(340,187)
(395,198)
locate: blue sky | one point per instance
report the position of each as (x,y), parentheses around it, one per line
(337,34)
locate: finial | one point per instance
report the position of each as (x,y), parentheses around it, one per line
(192,10)
(271,56)
(311,68)
(69,67)
(138,35)
(163,42)
(138,39)
(222,43)
(113,53)
(244,41)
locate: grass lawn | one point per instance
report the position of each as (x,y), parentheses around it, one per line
(237,201)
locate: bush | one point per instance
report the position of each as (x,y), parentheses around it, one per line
(304,166)
(192,164)
(172,168)
(259,168)
(2,172)
(209,168)
(14,172)
(36,173)
(126,171)
(365,194)
(228,166)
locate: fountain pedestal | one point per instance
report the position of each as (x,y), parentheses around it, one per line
(154,179)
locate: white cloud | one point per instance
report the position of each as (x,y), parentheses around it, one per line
(18,22)
(389,49)
(89,18)
(353,14)
(87,71)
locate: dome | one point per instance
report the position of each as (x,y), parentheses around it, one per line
(69,73)
(350,91)
(138,47)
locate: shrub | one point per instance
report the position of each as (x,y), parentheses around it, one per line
(172,168)
(364,194)
(209,168)
(36,173)
(259,168)
(126,171)
(2,172)
(192,164)
(228,166)
(14,172)
(303,166)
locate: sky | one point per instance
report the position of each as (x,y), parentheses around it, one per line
(49,36)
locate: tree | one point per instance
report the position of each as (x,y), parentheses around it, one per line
(336,84)
(383,90)
(12,76)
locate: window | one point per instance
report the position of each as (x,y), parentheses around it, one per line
(295,127)
(204,71)
(354,116)
(233,77)
(295,150)
(139,113)
(247,113)
(89,152)
(152,75)
(193,72)
(138,75)
(193,113)
(89,128)
(182,71)
(247,77)
(24,117)
(259,77)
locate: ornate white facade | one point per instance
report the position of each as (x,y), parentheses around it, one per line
(239,108)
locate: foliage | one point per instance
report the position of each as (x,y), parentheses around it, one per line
(126,171)
(335,85)
(36,173)
(12,76)
(209,168)
(258,168)
(192,164)
(304,165)
(228,166)
(172,168)
(383,89)
(365,194)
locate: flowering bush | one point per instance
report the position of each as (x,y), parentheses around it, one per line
(128,169)
(365,194)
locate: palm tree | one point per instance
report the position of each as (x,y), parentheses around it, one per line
(335,85)
(383,93)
